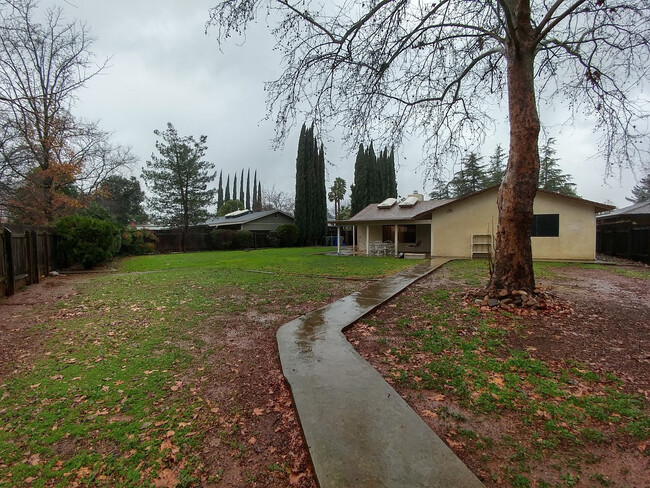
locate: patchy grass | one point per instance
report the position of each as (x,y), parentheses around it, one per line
(460,358)
(117,398)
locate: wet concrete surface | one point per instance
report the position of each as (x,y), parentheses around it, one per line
(359,431)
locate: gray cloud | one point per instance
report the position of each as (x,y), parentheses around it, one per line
(164,68)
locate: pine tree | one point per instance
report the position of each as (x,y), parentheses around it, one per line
(497,168)
(179,180)
(441,190)
(641,192)
(470,178)
(220,190)
(551,177)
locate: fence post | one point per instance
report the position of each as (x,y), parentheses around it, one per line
(36,272)
(11,284)
(29,257)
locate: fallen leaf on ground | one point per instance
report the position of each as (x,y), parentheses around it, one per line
(166,479)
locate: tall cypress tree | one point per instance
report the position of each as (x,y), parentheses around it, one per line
(301,203)
(248,190)
(392,187)
(260,205)
(374,177)
(242,197)
(358,195)
(227,197)
(255,192)
(311,197)
(220,190)
(234,188)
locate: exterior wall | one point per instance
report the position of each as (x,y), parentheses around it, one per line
(454,225)
(577,239)
(268,223)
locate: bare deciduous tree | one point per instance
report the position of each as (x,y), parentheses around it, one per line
(42,67)
(438,69)
(273,199)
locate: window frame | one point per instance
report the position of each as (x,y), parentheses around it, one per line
(545,225)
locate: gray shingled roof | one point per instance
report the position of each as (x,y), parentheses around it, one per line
(243,219)
(642,208)
(420,210)
(396,213)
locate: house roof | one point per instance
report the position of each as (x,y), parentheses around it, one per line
(243,219)
(641,208)
(396,213)
(598,207)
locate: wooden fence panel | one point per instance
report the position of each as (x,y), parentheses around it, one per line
(28,253)
(3,264)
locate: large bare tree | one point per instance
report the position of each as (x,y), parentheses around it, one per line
(45,151)
(439,70)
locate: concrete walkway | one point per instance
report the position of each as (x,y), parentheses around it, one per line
(359,431)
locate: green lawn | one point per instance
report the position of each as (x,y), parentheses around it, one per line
(106,404)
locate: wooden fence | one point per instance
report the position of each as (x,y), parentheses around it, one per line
(624,240)
(28,253)
(169,240)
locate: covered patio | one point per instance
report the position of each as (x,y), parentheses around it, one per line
(391,228)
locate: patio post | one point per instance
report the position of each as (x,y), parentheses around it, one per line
(396,238)
(338,240)
(354,239)
(367,239)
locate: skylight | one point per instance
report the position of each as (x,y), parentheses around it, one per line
(388,203)
(236,213)
(409,202)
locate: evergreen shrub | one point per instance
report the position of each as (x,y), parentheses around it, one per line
(87,241)
(222,239)
(273,239)
(243,239)
(288,234)
(138,241)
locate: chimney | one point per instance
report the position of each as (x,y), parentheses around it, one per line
(417,195)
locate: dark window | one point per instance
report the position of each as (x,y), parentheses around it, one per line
(405,233)
(546,225)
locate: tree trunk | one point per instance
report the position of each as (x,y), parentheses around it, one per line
(513,261)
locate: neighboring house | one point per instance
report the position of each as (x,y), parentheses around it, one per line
(625,232)
(564,227)
(259,223)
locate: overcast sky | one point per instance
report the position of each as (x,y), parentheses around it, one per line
(164,68)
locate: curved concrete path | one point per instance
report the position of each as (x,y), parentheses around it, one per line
(359,431)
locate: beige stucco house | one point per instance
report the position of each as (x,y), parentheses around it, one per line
(564,227)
